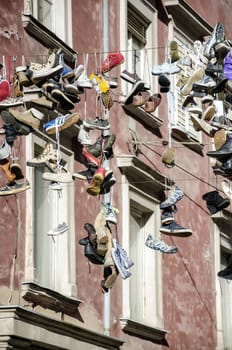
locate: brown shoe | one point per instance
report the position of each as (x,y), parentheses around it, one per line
(152,103)
(140,98)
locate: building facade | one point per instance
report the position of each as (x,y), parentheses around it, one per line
(52,296)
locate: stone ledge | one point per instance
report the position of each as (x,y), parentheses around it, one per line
(154,335)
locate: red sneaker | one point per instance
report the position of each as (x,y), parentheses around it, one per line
(111,61)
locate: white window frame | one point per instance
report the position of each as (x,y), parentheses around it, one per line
(148,55)
(63,246)
(222,245)
(61,14)
(181,117)
(151,311)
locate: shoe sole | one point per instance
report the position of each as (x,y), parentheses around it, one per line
(8,118)
(14,189)
(198,75)
(176,233)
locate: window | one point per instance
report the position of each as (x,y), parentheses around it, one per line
(226,303)
(53,256)
(181,117)
(141,24)
(144,219)
(56,16)
(142,316)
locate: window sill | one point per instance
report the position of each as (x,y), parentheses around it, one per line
(47,38)
(223,220)
(50,299)
(147,119)
(154,335)
(182,135)
(140,174)
(26,329)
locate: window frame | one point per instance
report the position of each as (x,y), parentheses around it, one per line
(69,288)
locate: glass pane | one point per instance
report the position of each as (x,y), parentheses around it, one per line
(45,13)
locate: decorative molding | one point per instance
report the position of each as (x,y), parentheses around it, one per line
(183,136)
(47,38)
(182,13)
(140,174)
(33,329)
(154,335)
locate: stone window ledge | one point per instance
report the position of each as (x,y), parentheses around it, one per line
(148,120)
(47,38)
(154,335)
(50,299)
(183,136)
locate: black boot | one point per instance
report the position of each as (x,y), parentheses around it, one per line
(225,151)
(215,202)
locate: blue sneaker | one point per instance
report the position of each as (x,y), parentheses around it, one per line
(126,261)
(117,258)
(61,122)
(174,196)
(159,244)
(175,229)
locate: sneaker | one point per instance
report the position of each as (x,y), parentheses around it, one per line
(49,155)
(21,128)
(226,273)
(62,99)
(167,216)
(38,72)
(217,36)
(107,99)
(61,122)
(129,77)
(126,261)
(61,228)
(97,123)
(111,61)
(116,256)
(61,176)
(10,133)
(174,196)
(5,150)
(14,188)
(83,81)
(28,117)
(55,186)
(96,148)
(11,102)
(43,102)
(159,244)
(175,229)
(110,215)
(165,68)
(83,136)
(196,76)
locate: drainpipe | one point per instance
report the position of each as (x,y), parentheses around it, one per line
(106,197)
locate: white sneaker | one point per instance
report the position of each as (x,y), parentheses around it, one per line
(61,228)
(83,136)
